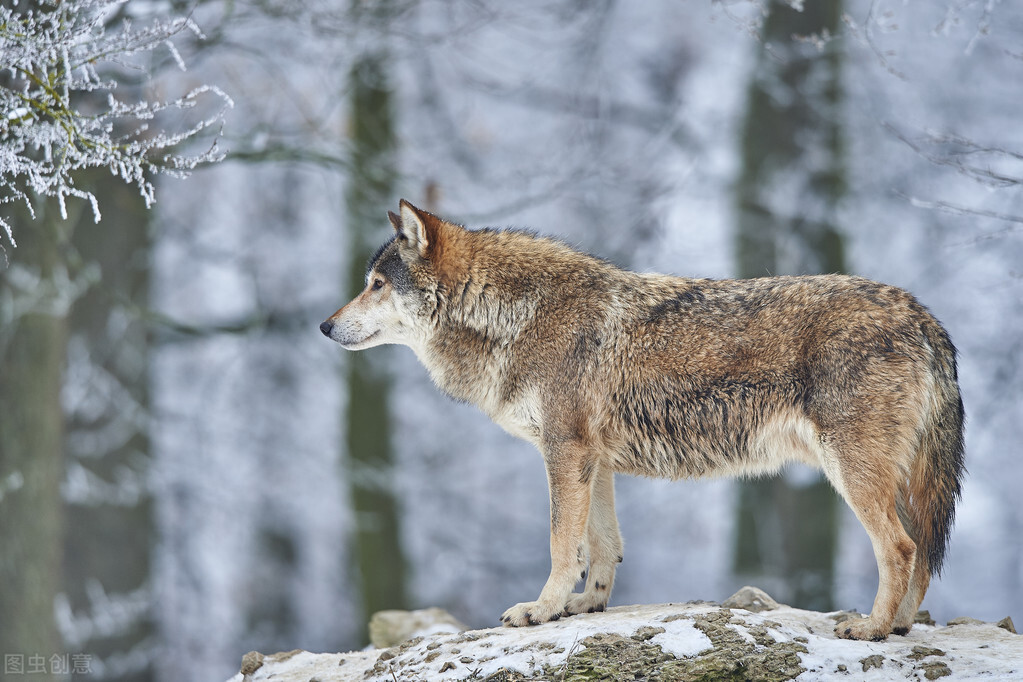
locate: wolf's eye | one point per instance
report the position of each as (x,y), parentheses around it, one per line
(377,284)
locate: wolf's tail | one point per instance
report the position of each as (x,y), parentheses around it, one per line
(935,481)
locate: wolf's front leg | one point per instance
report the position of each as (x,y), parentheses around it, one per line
(570,506)
(605,543)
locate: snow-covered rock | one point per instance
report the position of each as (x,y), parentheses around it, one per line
(389,628)
(695,641)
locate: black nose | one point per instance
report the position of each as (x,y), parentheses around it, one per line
(326,327)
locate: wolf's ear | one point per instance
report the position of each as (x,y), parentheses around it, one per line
(395,221)
(416,229)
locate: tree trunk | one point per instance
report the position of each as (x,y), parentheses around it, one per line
(109,508)
(787,198)
(33,345)
(376,542)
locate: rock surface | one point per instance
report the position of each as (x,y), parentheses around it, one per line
(699,641)
(752,599)
(389,628)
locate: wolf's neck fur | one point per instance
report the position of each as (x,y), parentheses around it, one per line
(509,281)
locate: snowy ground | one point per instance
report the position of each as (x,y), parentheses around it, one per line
(688,636)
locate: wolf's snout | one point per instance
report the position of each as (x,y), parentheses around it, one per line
(326,327)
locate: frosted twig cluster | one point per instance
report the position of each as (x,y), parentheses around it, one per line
(60,64)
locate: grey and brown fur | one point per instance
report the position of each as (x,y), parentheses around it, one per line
(608,371)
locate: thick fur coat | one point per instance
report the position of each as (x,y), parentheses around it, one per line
(608,371)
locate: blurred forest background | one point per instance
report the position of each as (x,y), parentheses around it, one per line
(189,470)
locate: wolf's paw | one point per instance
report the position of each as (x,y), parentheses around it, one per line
(530,613)
(587,602)
(863,629)
(902,626)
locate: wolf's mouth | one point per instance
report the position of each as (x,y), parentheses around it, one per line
(356,344)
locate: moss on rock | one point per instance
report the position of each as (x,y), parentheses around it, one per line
(740,652)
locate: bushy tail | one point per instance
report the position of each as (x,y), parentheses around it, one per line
(935,483)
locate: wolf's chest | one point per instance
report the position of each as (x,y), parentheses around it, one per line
(520,418)
(483,380)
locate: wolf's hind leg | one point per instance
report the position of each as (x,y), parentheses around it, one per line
(918,584)
(605,542)
(871,492)
(570,507)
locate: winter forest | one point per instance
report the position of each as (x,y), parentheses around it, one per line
(190,471)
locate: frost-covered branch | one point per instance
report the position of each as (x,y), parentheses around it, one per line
(59,68)
(987,164)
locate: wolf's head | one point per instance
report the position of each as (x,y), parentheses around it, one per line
(401,285)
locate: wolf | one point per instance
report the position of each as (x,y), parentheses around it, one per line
(609,371)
